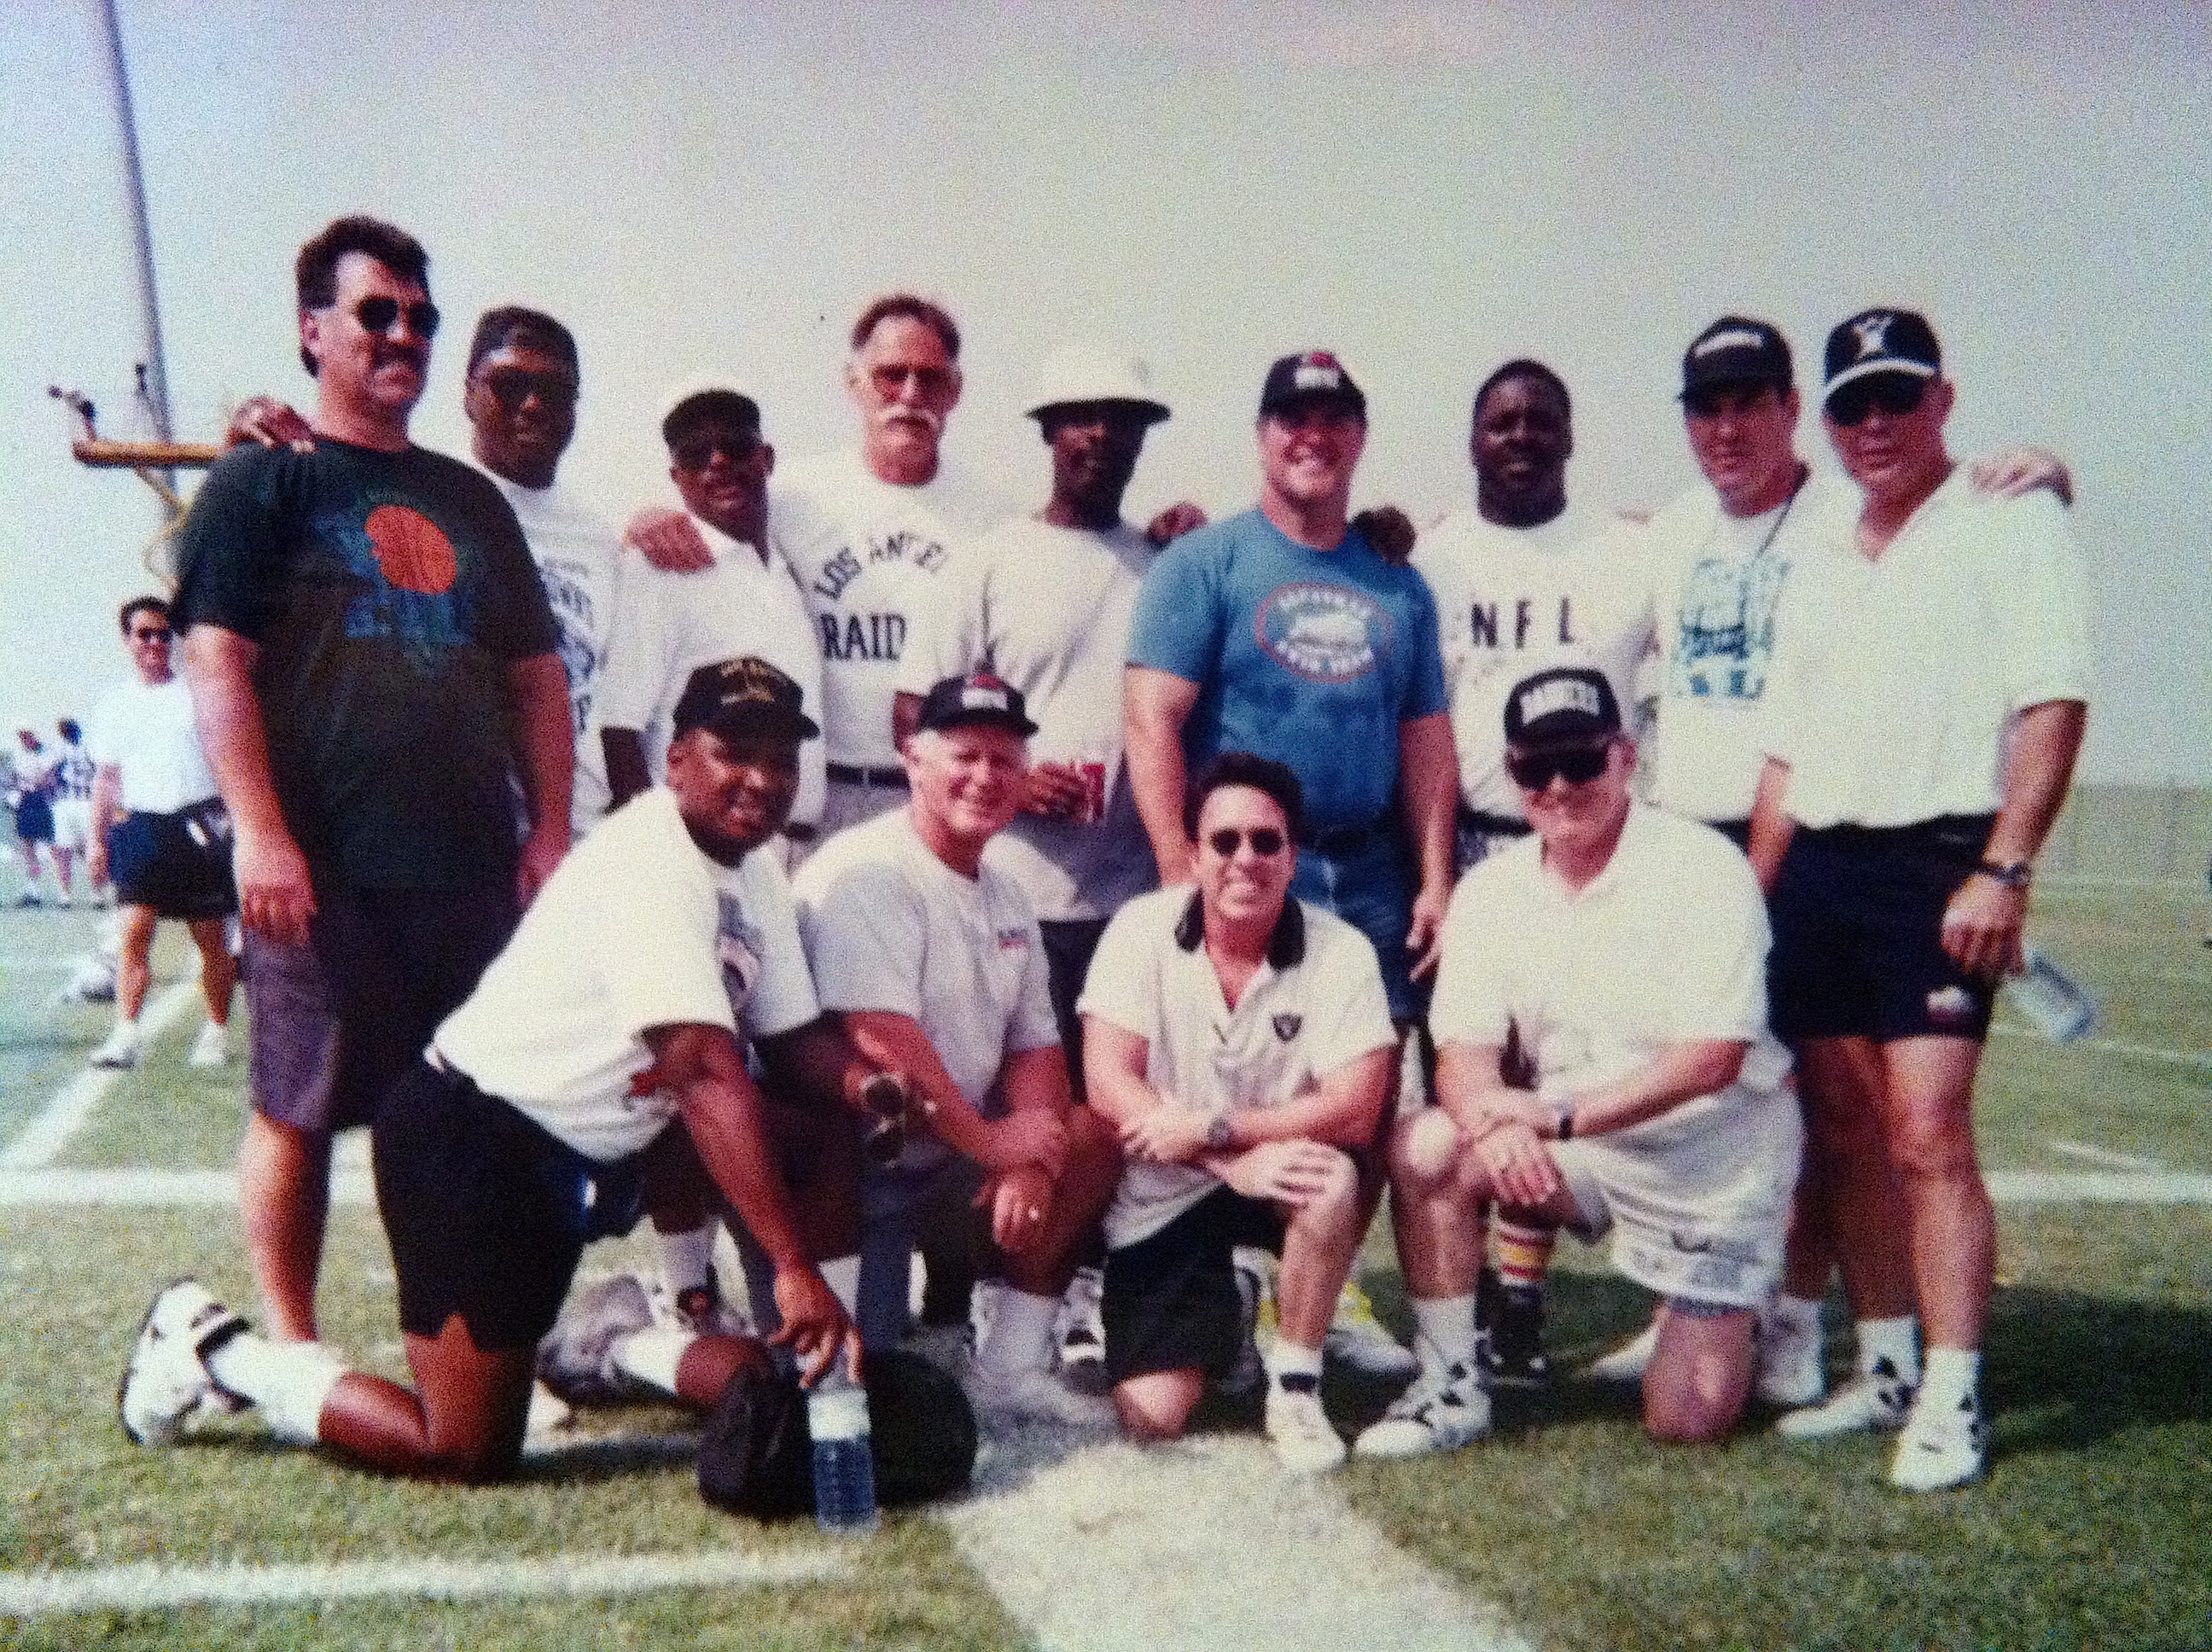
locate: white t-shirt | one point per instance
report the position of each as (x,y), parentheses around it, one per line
(1511,602)
(1047,609)
(1292,1026)
(869,556)
(637,928)
(147,731)
(1667,945)
(1721,579)
(579,559)
(1895,680)
(890,926)
(671,624)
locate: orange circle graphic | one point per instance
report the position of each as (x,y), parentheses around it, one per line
(412,550)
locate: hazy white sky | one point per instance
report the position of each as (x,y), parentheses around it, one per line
(1427,189)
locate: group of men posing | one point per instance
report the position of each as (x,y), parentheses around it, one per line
(1145,862)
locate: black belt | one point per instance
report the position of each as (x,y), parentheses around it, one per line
(1475,820)
(851,774)
(799,831)
(1346,840)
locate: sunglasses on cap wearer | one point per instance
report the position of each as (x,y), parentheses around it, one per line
(377,315)
(512,386)
(149,633)
(697,452)
(1577,765)
(1712,402)
(1266,842)
(891,376)
(1895,393)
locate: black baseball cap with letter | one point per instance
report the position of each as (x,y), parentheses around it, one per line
(1736,350)
(746,695)
(1311,377)
(1569,706)
(978,698)
(1881,341)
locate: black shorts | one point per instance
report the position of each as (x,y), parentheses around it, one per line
(1170,1301)
(35,818)
(1070,943)
(179,865)
(486,1211)
(1858,933)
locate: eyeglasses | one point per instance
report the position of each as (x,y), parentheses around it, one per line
(377,315)
(890,377)
(1577,765)
(511,387)
(1895,393)
(1266,842)
(149,633)
(697,452)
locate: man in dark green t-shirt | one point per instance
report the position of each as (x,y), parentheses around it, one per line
(376,678)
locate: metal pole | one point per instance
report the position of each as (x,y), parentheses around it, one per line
(155,371)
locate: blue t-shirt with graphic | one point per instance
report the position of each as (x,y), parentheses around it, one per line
(1311,657)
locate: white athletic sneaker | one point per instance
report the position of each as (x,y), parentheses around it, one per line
(1356,1338)
(1038,1395)
(212,1048)
(1877,1400)
(1942,1447)
(1081,1331)
(1627,1363)
(165,1381)
(575,1358)
(93,982)
(698,1309)
(1791,1373)
(549,1413)
(1301,1434)
(1442,1410)
(121,1047)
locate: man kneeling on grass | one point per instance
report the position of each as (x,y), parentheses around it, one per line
(521,1135)
(1240,1041)
(1628,949)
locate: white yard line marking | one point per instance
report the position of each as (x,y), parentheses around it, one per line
(154,1188)
(148,1588)
(2113,1046)
(1207,1543)
(39,964)
(2097,1187)
(42,1140)
(2106,1156)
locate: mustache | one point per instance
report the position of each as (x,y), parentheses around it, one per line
(899,415)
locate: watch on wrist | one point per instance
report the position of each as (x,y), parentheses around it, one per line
(1219,1137)
(1564,1126)
(2013,874)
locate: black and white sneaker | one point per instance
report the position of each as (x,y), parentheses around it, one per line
(167,1382)
(1445,1409)
(1879,1400)
(1943,1447)
(575,1359)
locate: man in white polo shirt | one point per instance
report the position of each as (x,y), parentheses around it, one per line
(1628,948)
(1925,706)
(1241,1042)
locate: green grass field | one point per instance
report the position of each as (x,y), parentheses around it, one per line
(2093,1531)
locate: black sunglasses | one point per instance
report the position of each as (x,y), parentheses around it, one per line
(511,387)
(1577,765)
(1711,404)
(1266,841)
(377,315)
(1895,393)
(697,452)
(149,633)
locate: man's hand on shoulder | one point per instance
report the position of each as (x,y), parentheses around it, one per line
(668,539)
(268,422)
(2010,472)
(1390,530)
(1171,524)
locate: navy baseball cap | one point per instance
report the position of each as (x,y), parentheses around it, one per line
(1881,341)
(742,696)
(1571,705)
(976,698)
(1310,376)
(1736,350)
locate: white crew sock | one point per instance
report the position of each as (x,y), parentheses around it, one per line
(1286,1358)
(287,1380)
(1896,1339)
(1952,1375)
(1446,1331)
(687,1257)
(652,1355)
(1020,1337)
(1799,1314)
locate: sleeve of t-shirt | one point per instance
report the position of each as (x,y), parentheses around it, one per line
(1424,683)
(229,548)
(653,933)
(864,935)
(519,623)
(1123,984)
(1033,1026)
(2043,597)
(639,647)
(783,998)
(1177,626)
(1469,1004)
(1714,982)
(1354,1010)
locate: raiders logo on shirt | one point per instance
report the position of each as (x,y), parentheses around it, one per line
(736,947)
(1287,1026)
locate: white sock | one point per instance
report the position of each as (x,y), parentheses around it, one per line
(1896,1339)
(1797,1313)
(687,1257)
(652,1355)
(287,1380)
(127,1024)
(1446,1326)
(842,1275)
(1952,1375)
(1286,1358)
(1020,1337)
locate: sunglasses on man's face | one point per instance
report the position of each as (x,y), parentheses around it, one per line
(377,315)
(149,633)
(1577,765)
(697,452)
(1266,842)
(890,377)
(511,387)
(1895,393)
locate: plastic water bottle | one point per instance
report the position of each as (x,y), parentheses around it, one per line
(844,1469)
(2051,1000)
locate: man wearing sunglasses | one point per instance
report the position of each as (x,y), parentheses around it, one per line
(1926,702)
(1240,1041)
(1627,948)
(375,667)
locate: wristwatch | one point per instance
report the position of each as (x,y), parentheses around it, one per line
(1219,1137)
(1563,1125)
(2013,874)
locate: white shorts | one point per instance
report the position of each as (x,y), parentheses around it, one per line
(73,824)
(1701,1216)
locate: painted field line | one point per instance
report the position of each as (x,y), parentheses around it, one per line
(153,1188)
(42,1140)
(2097,1187)
(41,964)
(2113,1046)
(1208,1543)
(2106,1156)
(148,1588)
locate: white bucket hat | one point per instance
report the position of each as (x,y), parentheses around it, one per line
(1082,372)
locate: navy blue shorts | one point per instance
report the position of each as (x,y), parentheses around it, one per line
(1858,944)
(179,865)
(1170,1302)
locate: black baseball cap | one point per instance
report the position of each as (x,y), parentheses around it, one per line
(1881,341)
(1571,705)
(698,400)
(976,698)
(742,696)
(1736,350)
(1310,376)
